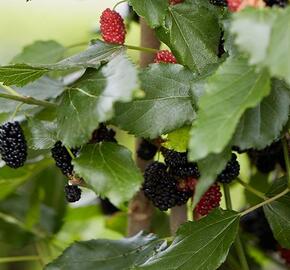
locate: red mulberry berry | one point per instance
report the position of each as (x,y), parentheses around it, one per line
(234,5)
(175,2)
(165,56)
(210,200)
(285,254)
(112,27)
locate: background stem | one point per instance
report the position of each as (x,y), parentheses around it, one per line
(19,259)
(286,158)
(238,243)
(251,189)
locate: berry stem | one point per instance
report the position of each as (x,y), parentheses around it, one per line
(117,4)
(70,152)
(286,157)
(238,243)
(19,259)
(9,90)
(283,193)
(16,111)
(142,49)
(28,100)
(251,189)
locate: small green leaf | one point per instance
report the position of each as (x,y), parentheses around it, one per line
(92,98)
(110,171)
(43,134)
(198,245)
(192,32)
(233,89)
(263,124)
(167,104)
(20,74)
(153,11)
(278,213)
(40,52)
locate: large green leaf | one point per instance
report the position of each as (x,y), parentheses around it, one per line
(94,56)
(278,213)
(278,58)
(110,171)
(233,89)
(91,100)
(43,88)
(261,125)
(40,52)
(192,32)
(198,245)
(167,104)
(152,10)
(252,29)
(107,254)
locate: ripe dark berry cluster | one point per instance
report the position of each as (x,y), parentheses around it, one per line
(72,193)
(112,27)
(231,171)
(280,3)
(173,158)
(162,188)
(13,147)
(266,159)
(62,158)
(146,150)
(255,223)
(221,3)
(285,255)
(175,2)
(103,134)
(209,201)
(165,56)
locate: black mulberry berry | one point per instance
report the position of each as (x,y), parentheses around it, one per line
(146,150)
(188,170)
(221,3)
(103,134)
(13,147)
(231,171)
(72,193)
(173,158)
(280,3)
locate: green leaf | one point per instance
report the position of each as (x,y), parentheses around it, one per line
(198,245)
(20,74)
(178,139)
(233,89)
(209,168)
(278,213)
(43,89)
(110,171)
(192,32)
(153,11)
(43,134)
(40,52)
(263,124)
(278,60)
(252,28)
(107,254)
(92,98)
(167,104)
(98,53)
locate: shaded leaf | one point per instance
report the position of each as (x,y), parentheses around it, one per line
(108,165)
(233,89)
(167,104)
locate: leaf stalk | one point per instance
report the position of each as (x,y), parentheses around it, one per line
(251,189)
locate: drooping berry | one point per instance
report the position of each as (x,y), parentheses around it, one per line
(256,224)
(103,134)
(62,158)
(280,3)
(165,56)
(234,5)
(173,158)
(112,27)
(183,171)
(231,171)
(13,147)
(175,2)
(146,150)
(72,193)
(162,189)
(209,201)
(221,3)
(285,254)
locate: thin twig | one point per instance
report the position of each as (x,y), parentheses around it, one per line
(251,189)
